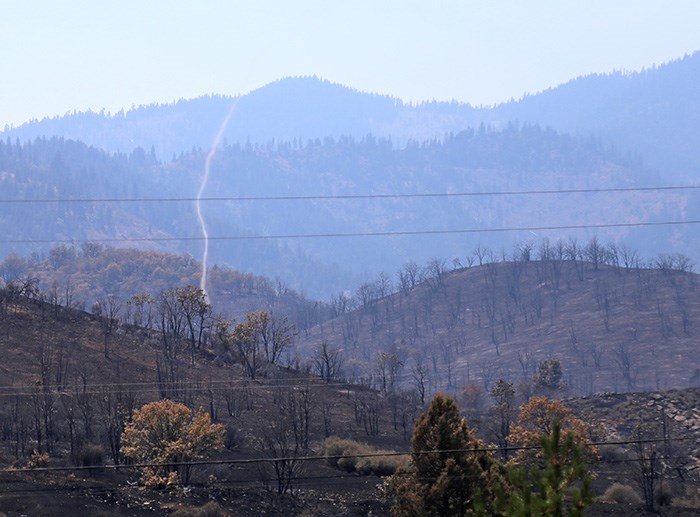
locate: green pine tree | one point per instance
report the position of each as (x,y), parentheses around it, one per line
(561,488)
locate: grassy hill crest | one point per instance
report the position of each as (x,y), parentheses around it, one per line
(612,327)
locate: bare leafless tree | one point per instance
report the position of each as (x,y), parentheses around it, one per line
(388,365)
(277,442)
(408,276)
(196,311)
(625,362)
(328,361)
(419,374)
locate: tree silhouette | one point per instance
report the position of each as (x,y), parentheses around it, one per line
(450,472)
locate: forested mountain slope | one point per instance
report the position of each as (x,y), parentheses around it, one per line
(79,277)
(317,195)
(56,191)
(653,114)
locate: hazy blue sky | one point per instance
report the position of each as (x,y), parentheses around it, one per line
(63,55)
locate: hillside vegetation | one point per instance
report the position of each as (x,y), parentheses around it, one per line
(612,326)
(56,190)
(93,273)
(65,402)
(71,380)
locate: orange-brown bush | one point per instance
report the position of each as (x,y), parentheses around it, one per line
(165,434)
(537,418)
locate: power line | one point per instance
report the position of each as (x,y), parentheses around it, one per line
(273,459)
(395,233)
(218,386)
(73,391)
(167,387)
(297,482)
(268,382)
(328,197)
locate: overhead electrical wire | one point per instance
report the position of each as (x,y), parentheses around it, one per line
(213,386)
(325,197)
(71,391)
(389,233)
(202,384)
(245,461)
(298,482)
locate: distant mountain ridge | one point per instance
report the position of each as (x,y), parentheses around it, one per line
(300,108)
(654,113)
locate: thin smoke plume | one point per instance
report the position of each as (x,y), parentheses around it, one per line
(202,186)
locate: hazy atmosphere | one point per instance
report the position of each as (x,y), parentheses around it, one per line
(349,258)
(112,55)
